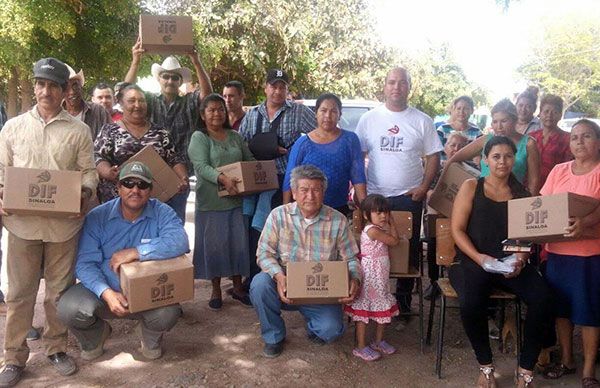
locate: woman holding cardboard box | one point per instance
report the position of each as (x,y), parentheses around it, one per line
(221,247)
(117,142)
(573,267)
(482,264)
(526,167)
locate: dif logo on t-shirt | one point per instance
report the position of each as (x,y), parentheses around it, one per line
(391,142)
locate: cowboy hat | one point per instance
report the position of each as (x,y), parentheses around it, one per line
(73,75)
(171,65)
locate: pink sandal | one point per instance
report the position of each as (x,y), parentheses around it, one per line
(366,353)
(383,347)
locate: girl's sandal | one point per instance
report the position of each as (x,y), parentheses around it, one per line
(366,353)
(383,347)
(590,382)
(486,377)
(523,380)
(557,371)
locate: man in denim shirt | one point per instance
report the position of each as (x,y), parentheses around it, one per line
(130,228)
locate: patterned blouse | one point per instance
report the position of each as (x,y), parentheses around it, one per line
(116,145)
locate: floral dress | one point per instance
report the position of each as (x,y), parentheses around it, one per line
(375,301)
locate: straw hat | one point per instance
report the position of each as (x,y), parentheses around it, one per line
(171,65)
(73,75)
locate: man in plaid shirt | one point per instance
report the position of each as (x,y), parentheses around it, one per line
(300,231)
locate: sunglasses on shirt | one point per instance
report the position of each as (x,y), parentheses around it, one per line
(130,183)
(172,77)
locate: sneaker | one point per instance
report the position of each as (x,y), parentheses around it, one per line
(10,375)
(151,354)
(64,364)
(33,334)
(92,354)
(383,347)
(215,304)
(243,299)
(367,353)
(273,350)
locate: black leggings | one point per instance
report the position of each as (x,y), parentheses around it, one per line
(474,285)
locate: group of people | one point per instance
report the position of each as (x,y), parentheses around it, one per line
(252,238)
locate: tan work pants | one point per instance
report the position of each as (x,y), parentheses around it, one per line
(26,259)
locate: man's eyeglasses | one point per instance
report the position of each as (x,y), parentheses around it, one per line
(130,183)
(172,77)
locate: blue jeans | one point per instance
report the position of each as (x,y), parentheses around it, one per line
(404,286)
(322,320)
(178,203)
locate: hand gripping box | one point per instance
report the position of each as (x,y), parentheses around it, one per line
(156,283)
(165,180)
(317,282)
(254,176)
(446,189)
(544,218)
(162,34)
(50,193)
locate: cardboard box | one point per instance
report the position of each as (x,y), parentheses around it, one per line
(446,189)
(166,34)
(445,251)
(544,218)
(400,254)
(255,176)
(313,282)
(51,193)
(156,283)
(165,181)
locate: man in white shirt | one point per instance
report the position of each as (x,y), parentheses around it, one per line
(397,140)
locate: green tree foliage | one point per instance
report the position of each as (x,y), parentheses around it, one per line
(323,45)
(565,60)
(437,80)
(94,35)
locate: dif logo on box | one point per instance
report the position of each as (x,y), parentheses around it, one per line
(536,217)
(166,28)
(260,175)
(317,281)
(42,193)
(163,290)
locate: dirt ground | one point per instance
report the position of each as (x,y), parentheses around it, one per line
(224,349)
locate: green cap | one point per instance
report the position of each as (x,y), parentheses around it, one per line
(136,170)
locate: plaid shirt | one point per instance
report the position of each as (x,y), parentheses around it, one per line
(298,119)
(287,237)
(180,118)
(556,150)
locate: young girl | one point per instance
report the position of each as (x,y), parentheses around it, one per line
(375,301)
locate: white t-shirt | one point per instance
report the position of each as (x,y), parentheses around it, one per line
(395,143)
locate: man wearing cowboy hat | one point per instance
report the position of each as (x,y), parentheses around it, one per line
(94,115)
(179,113)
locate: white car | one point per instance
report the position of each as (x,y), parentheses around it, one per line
(351,111)
(567,124)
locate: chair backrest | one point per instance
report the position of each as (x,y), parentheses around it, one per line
(403,222)
(445,251)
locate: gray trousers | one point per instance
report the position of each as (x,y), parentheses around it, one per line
(85,314)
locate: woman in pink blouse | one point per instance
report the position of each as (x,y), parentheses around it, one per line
(573,267)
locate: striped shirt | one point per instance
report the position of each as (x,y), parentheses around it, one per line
(297,119)
(288,237)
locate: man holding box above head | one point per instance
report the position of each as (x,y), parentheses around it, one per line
(46,137)
(130,228)
(305,230)
(169,109)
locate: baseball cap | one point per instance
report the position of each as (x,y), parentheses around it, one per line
(275,75)
(136,170)
(51,69)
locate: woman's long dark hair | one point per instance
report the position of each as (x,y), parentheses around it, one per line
(516,188)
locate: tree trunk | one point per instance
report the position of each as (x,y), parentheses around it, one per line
(26,93)
(13,93)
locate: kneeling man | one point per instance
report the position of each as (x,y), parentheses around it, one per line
(129,228)
(300,231)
